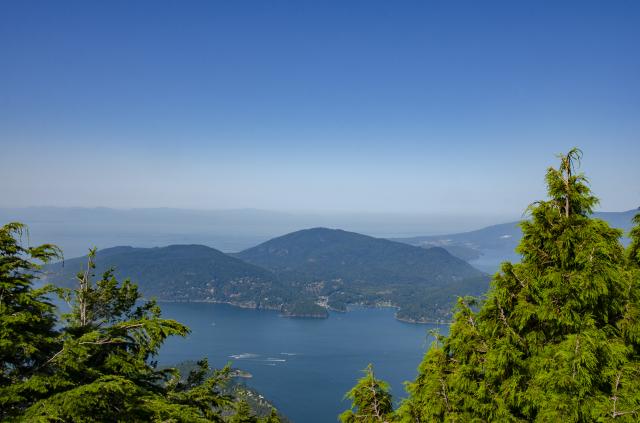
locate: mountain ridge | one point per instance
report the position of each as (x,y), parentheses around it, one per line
(176,273)
(323,269)
(335,253)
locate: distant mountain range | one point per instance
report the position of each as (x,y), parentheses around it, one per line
(486,248)
(301,274)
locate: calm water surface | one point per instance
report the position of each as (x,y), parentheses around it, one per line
(303,366)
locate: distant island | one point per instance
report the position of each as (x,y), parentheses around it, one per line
(301,274)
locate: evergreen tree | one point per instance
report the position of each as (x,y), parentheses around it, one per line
(243,413)
(557,337)
(371,400)
(96,363)
(27,318)
(634,247)
(104,368)
(99,365)
(272,417)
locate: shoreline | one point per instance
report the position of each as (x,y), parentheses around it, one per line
(306,316)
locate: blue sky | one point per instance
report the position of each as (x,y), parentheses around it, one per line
(378,106)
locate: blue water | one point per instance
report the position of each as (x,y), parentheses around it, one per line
(303,366)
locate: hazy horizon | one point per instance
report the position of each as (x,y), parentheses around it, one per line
(291,211)
(77,229)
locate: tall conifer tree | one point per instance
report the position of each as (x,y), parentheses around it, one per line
(370,399)
(96,363)
(27,318)
(104,368)
(556,338)
(634,247)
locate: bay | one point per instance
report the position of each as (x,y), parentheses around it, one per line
(303,366)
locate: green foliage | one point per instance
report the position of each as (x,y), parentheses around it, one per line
(371,400)
(243,413)
(27,318)
(557,337)
(103,367)
(304,308)
(272,417)
(98,365)
(634,248)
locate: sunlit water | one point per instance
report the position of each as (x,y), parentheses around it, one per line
(303,366)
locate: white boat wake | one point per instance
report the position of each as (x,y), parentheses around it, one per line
(244,356)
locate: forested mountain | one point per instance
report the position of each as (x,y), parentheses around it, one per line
(182,273)
(330,254)
(344,268)
(300,274)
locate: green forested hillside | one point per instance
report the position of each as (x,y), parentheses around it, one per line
(327,254)
(345,268)
(182,273)
(322,268)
